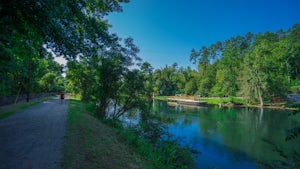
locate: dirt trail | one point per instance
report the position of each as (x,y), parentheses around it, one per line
(33,138)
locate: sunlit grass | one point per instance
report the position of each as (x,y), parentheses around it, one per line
(217,100)
(163,98)
(75,96)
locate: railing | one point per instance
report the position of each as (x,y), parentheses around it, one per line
(293,97)
(5,100)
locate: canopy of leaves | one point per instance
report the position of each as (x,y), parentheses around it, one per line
(67,28)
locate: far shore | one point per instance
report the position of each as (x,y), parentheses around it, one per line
(230,102)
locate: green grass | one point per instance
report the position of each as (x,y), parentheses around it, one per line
(217,100)
(163,98)
(9,110)
(210,100)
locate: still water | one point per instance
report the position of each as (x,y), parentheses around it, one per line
(229,138)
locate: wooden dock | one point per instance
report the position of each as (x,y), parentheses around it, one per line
(182,101)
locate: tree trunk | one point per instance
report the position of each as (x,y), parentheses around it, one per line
(260,97)
(261,115)
(28,79)
(101,109)
(17,97)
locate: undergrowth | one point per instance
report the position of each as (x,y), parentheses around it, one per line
(167,154)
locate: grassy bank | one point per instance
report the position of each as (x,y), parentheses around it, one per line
(91,143)
(11,109)
(168,154)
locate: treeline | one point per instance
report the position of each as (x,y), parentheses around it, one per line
(261,67)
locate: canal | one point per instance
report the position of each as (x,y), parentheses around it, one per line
(230,138)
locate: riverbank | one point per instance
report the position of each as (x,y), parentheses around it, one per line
(235,102)
(92,143)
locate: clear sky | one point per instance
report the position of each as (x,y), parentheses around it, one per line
(167,30)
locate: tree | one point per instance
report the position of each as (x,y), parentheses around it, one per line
(107,79)
(147,71)
(263,78)
(48,81)
(193,77)
(228,66)
(165,80)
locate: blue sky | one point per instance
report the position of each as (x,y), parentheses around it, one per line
(167,30)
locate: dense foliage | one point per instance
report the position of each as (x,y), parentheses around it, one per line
(262,67)
(108,80)
(25,65)
(33,30)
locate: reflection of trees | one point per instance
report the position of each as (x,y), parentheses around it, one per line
(154,118)
(291,160)
(294,132)
(245,129)
(151,125)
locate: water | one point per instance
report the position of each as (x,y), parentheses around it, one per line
(247,138)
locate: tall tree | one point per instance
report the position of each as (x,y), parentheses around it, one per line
(147,71)
(263,78)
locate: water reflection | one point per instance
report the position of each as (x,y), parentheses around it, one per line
(233,138)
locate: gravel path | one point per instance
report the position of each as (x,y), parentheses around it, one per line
(33,138)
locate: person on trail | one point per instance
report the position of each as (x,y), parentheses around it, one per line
(62,97)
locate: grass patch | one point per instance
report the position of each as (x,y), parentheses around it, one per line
(163,98)
(92,144)
(9,110)
(217,100)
